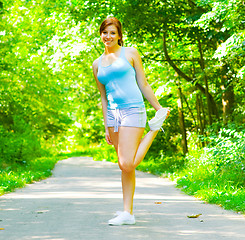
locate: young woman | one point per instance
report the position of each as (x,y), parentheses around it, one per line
(121,81)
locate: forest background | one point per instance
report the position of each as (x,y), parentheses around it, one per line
(193,53)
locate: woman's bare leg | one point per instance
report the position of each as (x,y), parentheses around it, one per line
(129,139)
(128,187)
(131,150)
(144,147)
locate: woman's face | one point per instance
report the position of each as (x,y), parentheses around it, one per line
(110,36)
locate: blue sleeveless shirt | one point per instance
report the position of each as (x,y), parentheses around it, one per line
(121,87)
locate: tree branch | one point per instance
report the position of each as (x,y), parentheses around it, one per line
(165,60)
(180,73)
(187,78)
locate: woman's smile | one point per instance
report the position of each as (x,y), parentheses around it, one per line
(110,36)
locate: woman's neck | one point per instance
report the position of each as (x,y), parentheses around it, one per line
(112,49)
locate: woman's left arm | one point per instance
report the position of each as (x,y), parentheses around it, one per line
(141,79)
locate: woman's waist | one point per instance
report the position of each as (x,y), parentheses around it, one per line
(125,105)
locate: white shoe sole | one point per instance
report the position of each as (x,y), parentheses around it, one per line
(123,218)
(160,116)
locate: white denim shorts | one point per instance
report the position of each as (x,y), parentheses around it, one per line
(126,117)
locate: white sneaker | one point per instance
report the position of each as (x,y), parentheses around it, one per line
(125,218)
(117,213)
(160,116)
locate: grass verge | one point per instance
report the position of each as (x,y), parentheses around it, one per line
(18,174)
(214,183)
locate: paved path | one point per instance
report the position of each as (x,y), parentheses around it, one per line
(80,197)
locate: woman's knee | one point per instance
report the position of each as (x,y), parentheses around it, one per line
(127,166)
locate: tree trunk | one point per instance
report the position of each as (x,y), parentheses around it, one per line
(199,116)
(202,65)
(182,122)
(227,102)
(227,96)
(189,109)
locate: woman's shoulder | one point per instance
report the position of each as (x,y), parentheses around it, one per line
(96,62)
(131,50)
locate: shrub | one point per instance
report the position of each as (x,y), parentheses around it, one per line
(20,144)
(216,173)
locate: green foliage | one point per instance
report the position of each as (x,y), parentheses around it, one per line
(230,15)
(217,172)
(16,175)
(46,69)
(104,152)
(19,145)
(45,76)
(161,164)
(227,151)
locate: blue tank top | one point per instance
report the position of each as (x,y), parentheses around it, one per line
(120,83)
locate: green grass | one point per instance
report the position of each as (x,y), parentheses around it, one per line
(223,186)
(18,174)
(212,189)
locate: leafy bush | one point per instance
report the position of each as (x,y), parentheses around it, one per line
(217,173)
(20,144)
(161,163)
(104,152)
(227,154)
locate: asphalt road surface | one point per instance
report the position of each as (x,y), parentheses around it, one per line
(82,195)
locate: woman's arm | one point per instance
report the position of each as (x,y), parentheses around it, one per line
(104,102)
(135,59)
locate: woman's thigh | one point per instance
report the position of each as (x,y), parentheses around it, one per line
(114,137)
(128,142)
